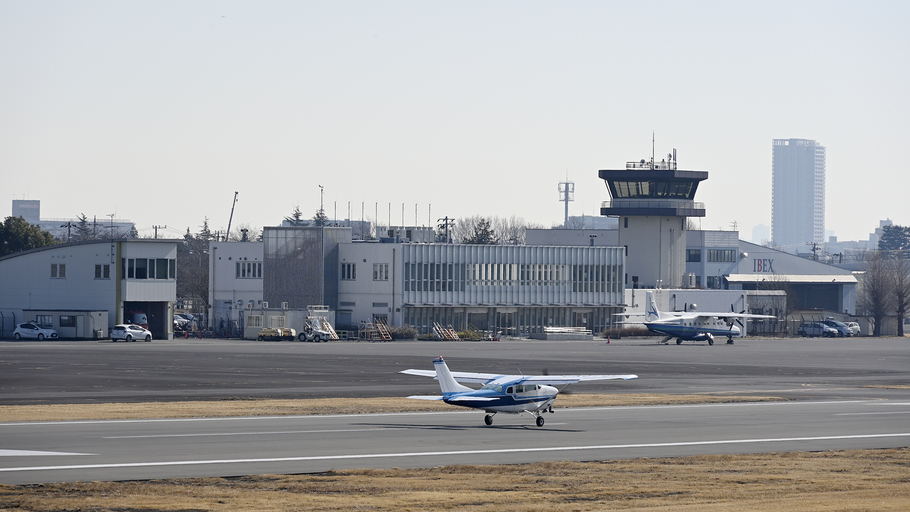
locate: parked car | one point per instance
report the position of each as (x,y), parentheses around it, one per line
(854,327)
(840,327)
(31,330)
(130,332)
(277,334)
(813,329)
(181,322)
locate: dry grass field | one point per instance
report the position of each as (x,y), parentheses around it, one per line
(825,481)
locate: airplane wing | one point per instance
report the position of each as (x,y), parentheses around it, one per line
(558,380)
(426,397)
(732,315)
(476,378)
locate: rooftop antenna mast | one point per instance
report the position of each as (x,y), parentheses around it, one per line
(566,193)
(652,150)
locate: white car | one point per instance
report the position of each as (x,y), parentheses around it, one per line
(130,332)
(33,331)
(854,327)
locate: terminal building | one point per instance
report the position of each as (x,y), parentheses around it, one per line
(560,278)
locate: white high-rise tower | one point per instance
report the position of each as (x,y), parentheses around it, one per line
(797,193)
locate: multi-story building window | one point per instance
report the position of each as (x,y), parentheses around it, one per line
(380,271)
(149,268)
(58,270)
(349,271)
(102,271)
(721,255)
(249,270)
(693,255)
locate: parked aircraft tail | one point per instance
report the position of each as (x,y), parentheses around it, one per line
(446,380)
(652,314)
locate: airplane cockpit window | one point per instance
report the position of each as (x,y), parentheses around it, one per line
(493,387)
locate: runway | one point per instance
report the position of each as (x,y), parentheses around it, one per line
(828,381)
(152,449)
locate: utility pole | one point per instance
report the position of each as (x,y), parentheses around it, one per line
(68,227)
(445,223)
(814,250)
(156,228)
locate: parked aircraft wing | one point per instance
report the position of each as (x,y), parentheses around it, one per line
(426,397)
(477,378)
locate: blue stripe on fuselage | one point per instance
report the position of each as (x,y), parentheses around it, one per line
(686,332)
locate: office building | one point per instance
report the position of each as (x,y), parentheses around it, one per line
(797,193)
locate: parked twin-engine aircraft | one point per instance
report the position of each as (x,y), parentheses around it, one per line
(694,326)
(514,394)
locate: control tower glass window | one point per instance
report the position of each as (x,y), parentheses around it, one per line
(655,189)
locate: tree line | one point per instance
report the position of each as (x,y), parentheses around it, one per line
(884,288)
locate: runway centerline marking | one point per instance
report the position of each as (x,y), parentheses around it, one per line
(34,453)
(253,433)
(447,453)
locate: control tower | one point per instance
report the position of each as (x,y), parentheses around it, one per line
(653,200)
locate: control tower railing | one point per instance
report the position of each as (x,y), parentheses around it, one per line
(663,165)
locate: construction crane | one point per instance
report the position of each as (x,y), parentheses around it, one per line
(227,235)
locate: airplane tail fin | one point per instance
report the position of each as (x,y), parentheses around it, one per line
(446,381)
(651,312)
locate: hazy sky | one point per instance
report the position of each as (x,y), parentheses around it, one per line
(159,111)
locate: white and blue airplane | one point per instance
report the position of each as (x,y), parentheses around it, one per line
(513,394)
(692,325)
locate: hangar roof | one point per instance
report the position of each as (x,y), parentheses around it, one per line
(792,278)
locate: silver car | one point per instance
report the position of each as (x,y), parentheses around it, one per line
(130,332)
(30,330)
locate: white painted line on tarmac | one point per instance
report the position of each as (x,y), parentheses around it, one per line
(33,453)
(445,453)
(253,433)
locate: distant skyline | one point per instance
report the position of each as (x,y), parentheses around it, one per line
(158,111)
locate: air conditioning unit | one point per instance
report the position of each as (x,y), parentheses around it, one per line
(689,281)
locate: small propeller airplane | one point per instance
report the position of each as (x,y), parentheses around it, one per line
(691,325)
(513,394)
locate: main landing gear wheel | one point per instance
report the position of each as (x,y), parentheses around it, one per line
(729,341)
(488,419)
(710,341)
(679,341)
(540,421)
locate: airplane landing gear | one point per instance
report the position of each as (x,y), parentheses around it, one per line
(488,419)
(540,421)
(679,341)
(729,341)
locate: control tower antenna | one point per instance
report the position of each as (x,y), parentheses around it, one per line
(652,150)
(566,193)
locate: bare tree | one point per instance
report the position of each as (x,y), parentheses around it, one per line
(875,292)
(245,233)
(900,266)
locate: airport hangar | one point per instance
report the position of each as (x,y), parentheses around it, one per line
(82,289)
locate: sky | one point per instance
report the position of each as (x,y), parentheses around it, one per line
(157,112)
